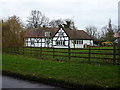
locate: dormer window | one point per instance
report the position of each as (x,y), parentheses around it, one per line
(47,33)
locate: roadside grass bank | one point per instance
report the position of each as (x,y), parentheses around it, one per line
(63,74)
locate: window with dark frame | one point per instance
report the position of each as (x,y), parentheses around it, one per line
(37,40)
(32,42)
(61,43)
(78,41)
(60,34)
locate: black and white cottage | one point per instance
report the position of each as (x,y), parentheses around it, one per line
(56,38)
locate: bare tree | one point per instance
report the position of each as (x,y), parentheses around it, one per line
(69,23)
(92,31)
(66,23)
(108,31)
(103,31)
(56,23)
(37,19)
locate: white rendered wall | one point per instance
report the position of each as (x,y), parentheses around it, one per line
(60,46)
(72,45)
(44,44)
(88,42)
(57,37)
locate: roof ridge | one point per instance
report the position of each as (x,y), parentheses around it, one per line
(73,34)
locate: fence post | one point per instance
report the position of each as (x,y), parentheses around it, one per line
(23,45)
(118,46)
(10,49)
(89,53)
(23,50)
(31,48)
(18,50)
(69,56)
(41,49)
(14,49)
(53,48)
(53,52)
(114,54)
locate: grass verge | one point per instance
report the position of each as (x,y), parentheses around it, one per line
(64,74)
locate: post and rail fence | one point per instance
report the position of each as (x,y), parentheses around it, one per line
(111,54)
(90,53)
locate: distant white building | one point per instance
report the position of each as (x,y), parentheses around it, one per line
(57,38)
(117,36)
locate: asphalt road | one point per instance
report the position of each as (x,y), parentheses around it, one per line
(10,82)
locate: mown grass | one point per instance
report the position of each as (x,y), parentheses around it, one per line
(76,55)
(65,74)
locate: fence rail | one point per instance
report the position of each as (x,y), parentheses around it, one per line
(110,54)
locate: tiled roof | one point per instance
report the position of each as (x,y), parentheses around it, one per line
(77,34)
(73,34)
(116,35)
(40,32)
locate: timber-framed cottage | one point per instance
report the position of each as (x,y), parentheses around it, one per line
(57,38)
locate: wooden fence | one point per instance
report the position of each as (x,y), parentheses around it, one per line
(106,54)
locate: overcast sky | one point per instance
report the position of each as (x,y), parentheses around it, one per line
(83,12)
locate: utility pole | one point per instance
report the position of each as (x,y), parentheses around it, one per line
(119,28)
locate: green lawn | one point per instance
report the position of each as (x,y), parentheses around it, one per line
(67,73)
(78,55)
